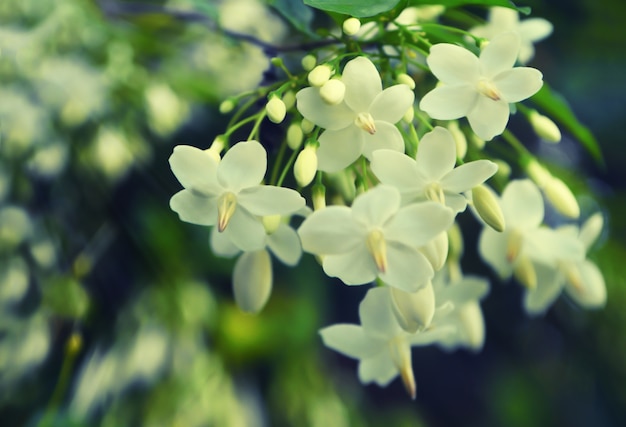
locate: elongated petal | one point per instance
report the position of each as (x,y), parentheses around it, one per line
(194,209)
(331,230)
(376,206)
(500,54)
(221,244)
(397,169)
(379,369)
(489,117)
(545,245)
(265,200)
(549,287)
(456,202)
(430,336)
(436,154)
(519,83)
(355,267)
(314,109)
(453,64)
(468,175)
(285,244)
(418,223)
(493,247)
(350,340)
(449,102)
(195,169)
(392,103)
(470,288)
(362,82)
(245,230)
(407,268)
(339,148)
(243,166)
(252,280)
(522,204)
(591,229)
(387,136)
(377,316)
(591,291)
(535,29)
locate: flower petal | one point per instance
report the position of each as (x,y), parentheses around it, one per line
(339,148)
(376,206)
(350,340)
(195,169)
(592,290)
(549,287)
(493,247)
(449,102)
(397,169)
(252,280)
(355,267)
(379,369)
(242,166)
(377,316)
(436,154)
(285,244)
(407,269)
(363,84)
(330,117)
(416,224)
(387,136)
(468,175)
(522,204)
(519,83)
(488,118)
(193,208)
(534,29)
(392,103)
(265,200)
(500,54)
(453,65)
(591,229)
(221,244)
(330,231)
(245,230)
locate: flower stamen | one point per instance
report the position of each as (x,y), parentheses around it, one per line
(365,121)
(377,247)
(226,205)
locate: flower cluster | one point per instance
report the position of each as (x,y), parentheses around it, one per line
(397,171)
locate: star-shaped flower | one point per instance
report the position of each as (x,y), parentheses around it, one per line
(432,175)
(229,194)
(503,19)
(381,345)
(479,88)
(376,238)
(581,279)
(363,122)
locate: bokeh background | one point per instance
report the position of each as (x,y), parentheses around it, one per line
(115,313)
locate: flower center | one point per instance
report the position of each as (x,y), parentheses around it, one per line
(366,122)
(434,192)
(226,205)
(487,88)
(377,247)
(513,245)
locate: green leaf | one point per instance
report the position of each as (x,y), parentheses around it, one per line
(456,3)
(66,297)
(356,8)
(555,106)
(298,14)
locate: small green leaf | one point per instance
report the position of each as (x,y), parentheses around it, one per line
(66,297)
(298,14)
(555,106)
(356,8)
(455,3)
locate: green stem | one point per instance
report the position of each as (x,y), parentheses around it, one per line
(288,165)
(279,160)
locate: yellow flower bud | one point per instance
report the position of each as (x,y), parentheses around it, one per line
(319,197)
(562,198)
(409,115)
(271,223)
(544,127)
(227,106)
(487,206)
(294,136)
(276,109)
(289,98)
(405,79)
(306,166)
(333,91)
(351,26)
(309,62)
(459,139)
(307,126)
(413,310)
(319,75)
(538,173)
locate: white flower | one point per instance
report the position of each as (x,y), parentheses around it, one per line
(432,175)
(252,275)
(228,194)
(503,19)
(381,345)
(363,122)
(376,238)
(479,88)
(524,239)
(581,279)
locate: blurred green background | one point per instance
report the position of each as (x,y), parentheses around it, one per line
(115,313)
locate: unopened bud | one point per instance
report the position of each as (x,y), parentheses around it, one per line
(319,197)
(294,136)
(405,79)
(333,91)
(227,106)
(459,139)
(538,173)
(276,109)
(319,75)
(289,98)
(307,126)
(436,251)
(413,310)
(306,166)
(544,127)
(562,198)
(487,206)
(524,271)
(309,62)
(409,115)
(477,141)
(472,324)
(351,26)
(455,242)
(271,223)
(504,170)
(252,280)
(216,148)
